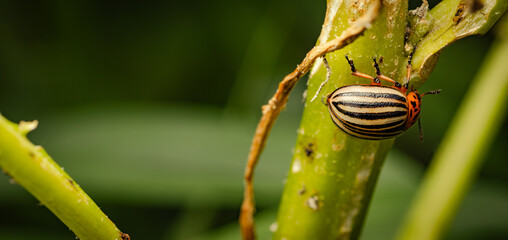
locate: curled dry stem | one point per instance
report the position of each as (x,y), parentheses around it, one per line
(272,110)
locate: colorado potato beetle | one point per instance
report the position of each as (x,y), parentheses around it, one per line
(374,111)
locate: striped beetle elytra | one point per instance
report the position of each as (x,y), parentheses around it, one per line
(374,111)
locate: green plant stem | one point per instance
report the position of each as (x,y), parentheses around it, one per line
(333,174)
(32,168)
(461,153)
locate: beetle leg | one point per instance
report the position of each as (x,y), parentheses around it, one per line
(325,102)
(409,66)
(404,87)
(375,80)
(381,76)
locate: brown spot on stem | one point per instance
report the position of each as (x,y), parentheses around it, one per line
(466,7)
(313,202)
(309,150)
(477,5)
(125,236)
(338,142)
(302,190)
(72,183)
(459,13)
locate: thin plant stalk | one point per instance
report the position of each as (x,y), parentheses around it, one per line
(32,168)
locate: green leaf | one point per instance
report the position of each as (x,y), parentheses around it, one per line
(446,23)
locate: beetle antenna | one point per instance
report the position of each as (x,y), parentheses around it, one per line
(421,129)
(431,92)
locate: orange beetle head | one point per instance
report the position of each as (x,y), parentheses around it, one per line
(414,102)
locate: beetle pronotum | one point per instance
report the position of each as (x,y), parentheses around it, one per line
(373,111)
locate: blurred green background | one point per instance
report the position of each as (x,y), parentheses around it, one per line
(151,108)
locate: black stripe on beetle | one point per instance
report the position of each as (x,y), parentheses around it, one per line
(370,104)
(372,95)
(371,116)
(376,126)
(392,130)
(371,135)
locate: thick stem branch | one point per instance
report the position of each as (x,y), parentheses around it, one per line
(333,174)
(272,110)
